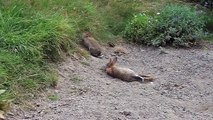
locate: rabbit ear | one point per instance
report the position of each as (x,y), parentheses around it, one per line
(114,60)
(110,60)
(109,64)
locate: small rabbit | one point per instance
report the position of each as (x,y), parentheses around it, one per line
(124,74)
(91,44)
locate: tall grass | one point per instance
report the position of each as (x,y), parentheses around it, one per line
(33,32)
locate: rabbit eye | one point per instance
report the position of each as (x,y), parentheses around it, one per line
(108,65)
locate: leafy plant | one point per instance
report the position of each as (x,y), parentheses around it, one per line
(209,21)
(140,28)
(176,25)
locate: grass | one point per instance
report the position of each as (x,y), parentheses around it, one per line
(32,35)
(118,13)
(76,78)
(209,37)
(83,53)
(85,63)
(54,97)
(209,26)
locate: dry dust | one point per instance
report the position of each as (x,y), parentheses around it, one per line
(182,91)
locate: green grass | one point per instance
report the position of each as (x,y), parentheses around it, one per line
(54,97)
(208,16)
(209,37)
(118,13)
(76,78)
(31,35)
(85,63)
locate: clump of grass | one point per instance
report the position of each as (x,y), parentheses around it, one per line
(54,97)
(76,78)
(30,38)
(84,53)
(208,16)
(4,101)
(34,32)
(85,63)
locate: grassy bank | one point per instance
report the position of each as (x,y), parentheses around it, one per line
(33,34)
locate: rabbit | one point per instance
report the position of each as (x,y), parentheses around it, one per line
(91,44)
(125,74)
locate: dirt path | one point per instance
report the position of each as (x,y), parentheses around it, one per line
(183,89)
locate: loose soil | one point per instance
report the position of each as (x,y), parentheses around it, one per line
(182,90)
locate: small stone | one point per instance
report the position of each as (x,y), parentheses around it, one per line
(184,109)
(162,93)
(126,113)
(163,51)
(107,83)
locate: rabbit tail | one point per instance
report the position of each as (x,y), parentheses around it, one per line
(138,78)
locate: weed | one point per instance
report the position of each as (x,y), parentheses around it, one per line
(140,29)
(54,97)
(176,25)
(76,78)
(85,63)
(4,102)
(84,53)
(78,91)
(209,37)
(208,16)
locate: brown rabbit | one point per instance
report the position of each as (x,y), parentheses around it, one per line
(124,74)
(91,44)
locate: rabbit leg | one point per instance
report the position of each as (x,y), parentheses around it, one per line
(147,77)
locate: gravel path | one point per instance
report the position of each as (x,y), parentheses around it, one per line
(182,91)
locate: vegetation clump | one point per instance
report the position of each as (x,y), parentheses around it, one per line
(35,33)
(140,29)
(176,25)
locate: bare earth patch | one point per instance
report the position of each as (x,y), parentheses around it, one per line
(182,90)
